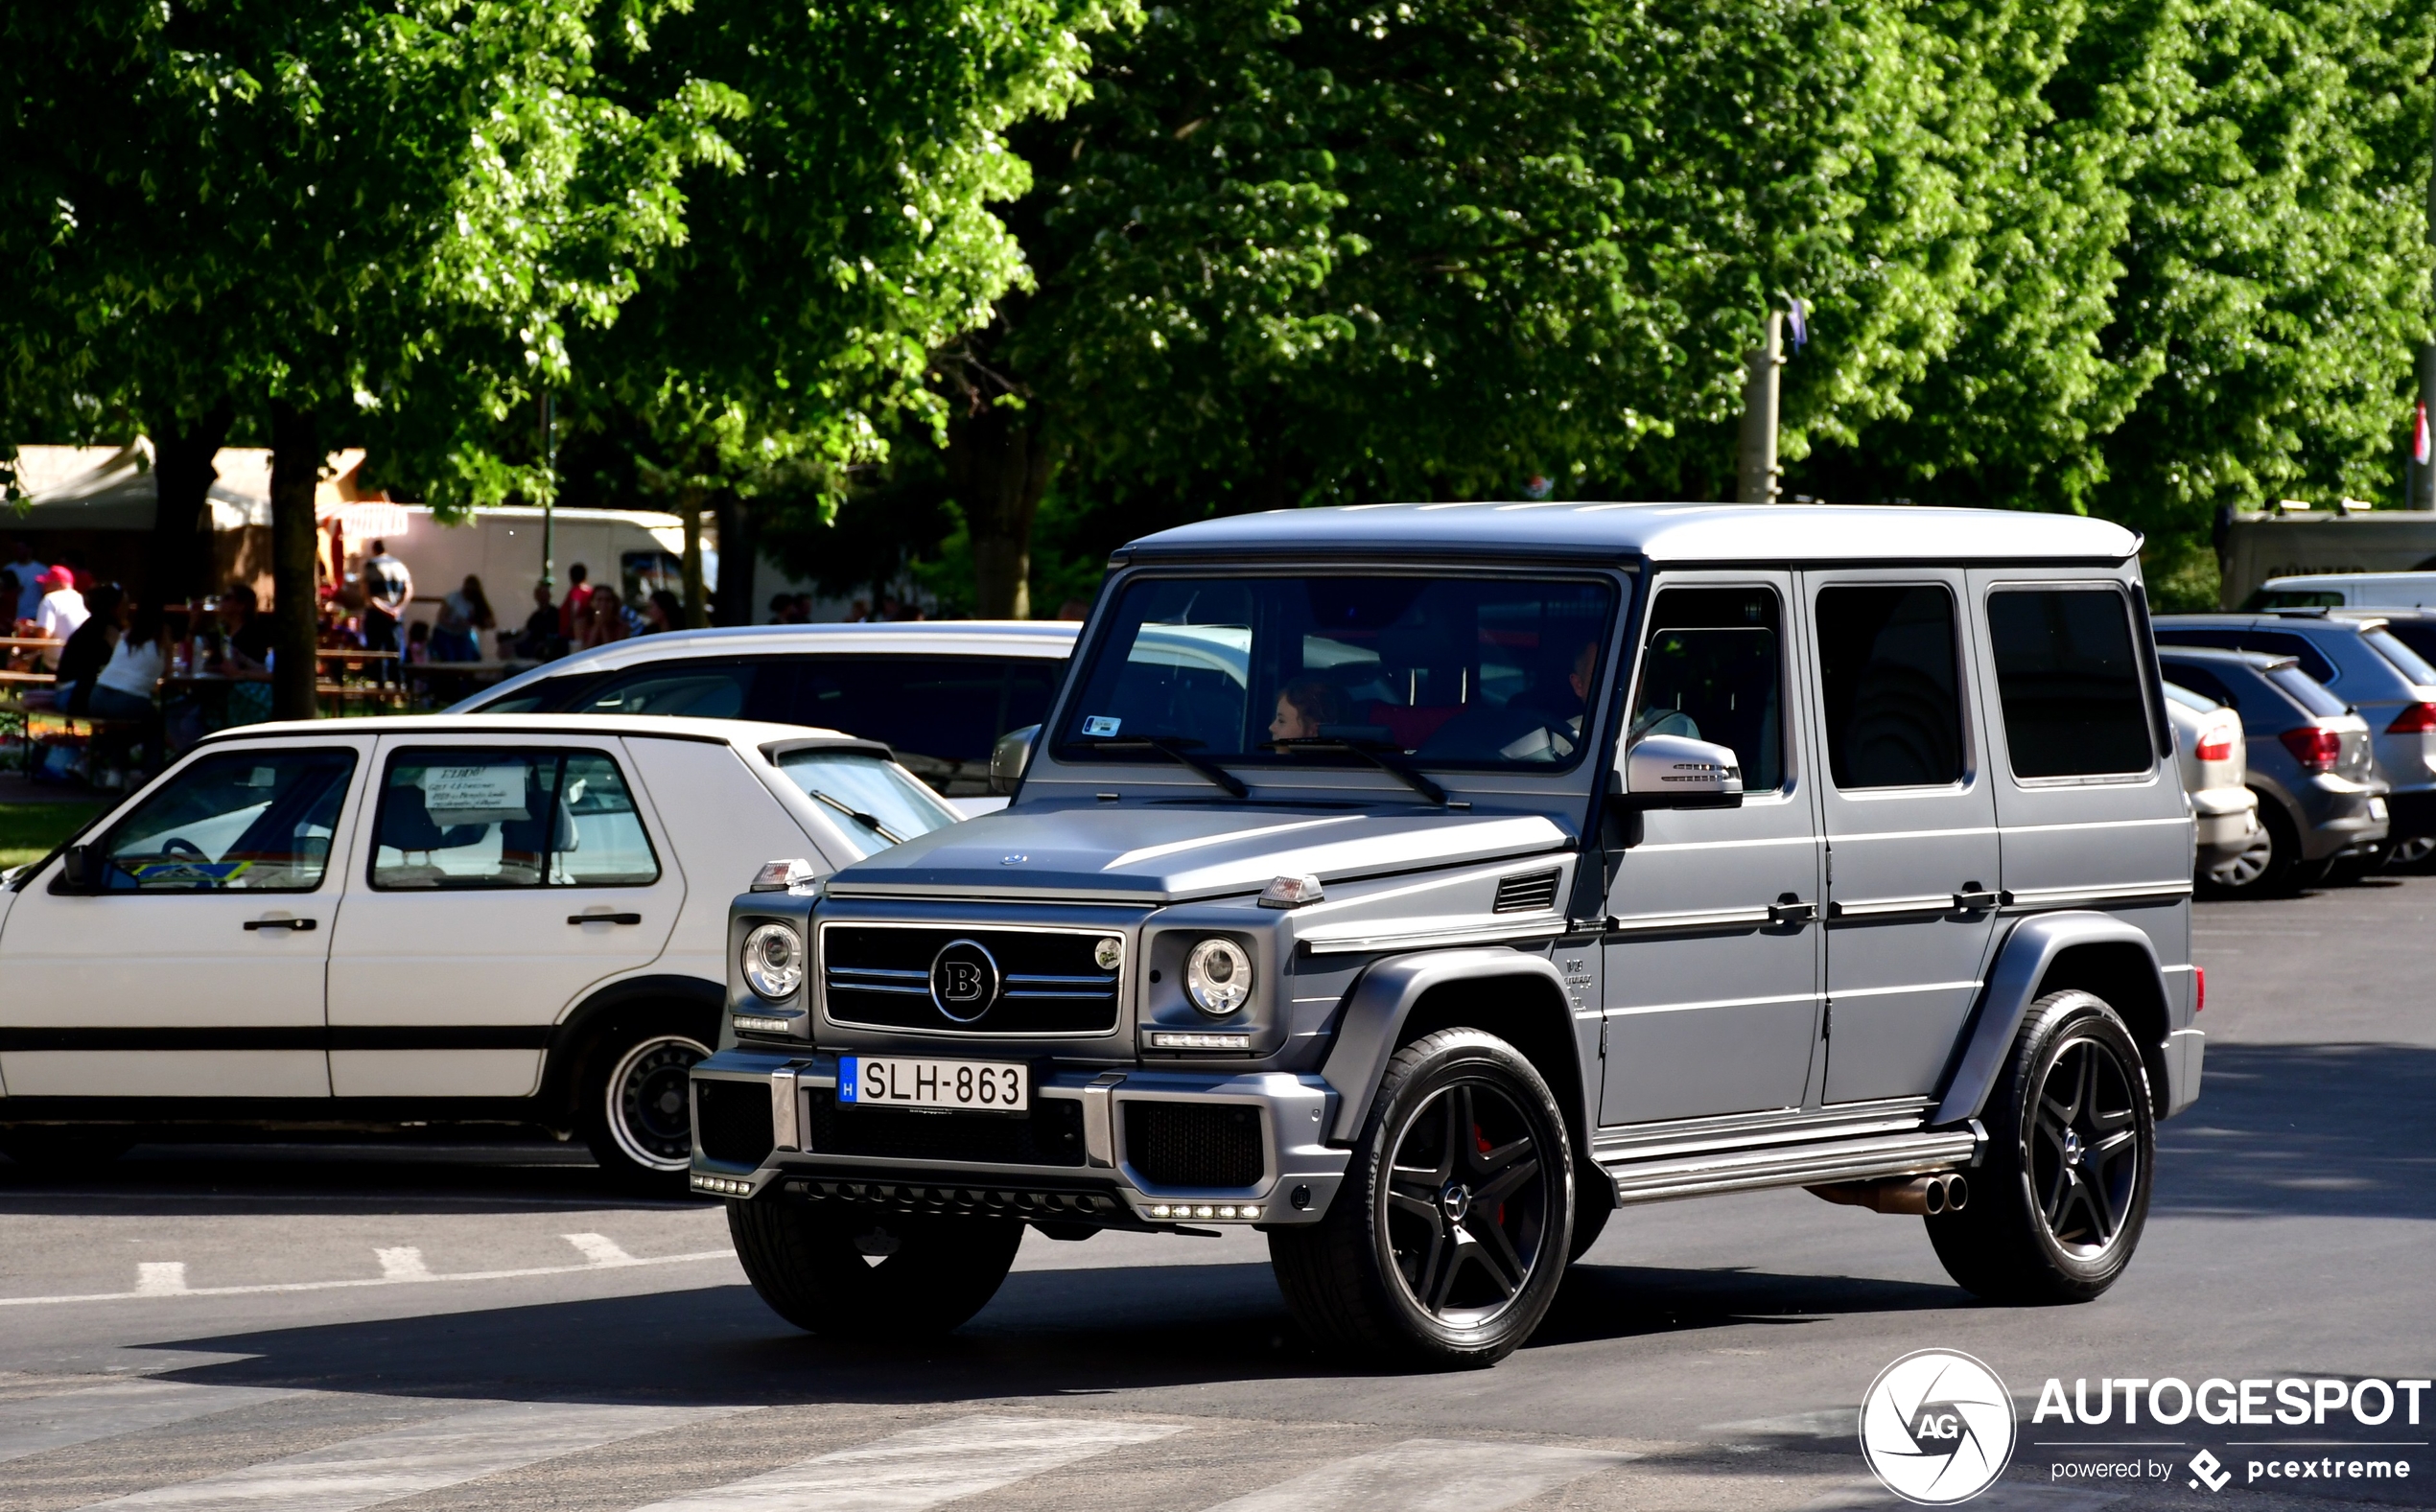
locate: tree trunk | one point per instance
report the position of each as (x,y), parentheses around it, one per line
(999,468)
(738,553)
(691,503)
(182,476)
(295,477)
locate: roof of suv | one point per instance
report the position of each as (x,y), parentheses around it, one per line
(1047,640)
(1661,532)
(745,733)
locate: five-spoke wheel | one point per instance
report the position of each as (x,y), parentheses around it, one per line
(1449,1240)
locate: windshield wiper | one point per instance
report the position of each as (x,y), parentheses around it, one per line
(867,820)
(1379,754)
(1172,747)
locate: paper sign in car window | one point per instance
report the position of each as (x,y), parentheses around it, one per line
(474,795)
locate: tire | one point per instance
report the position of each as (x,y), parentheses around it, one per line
(2413,856)
(634,1108)
(1412,1262)
(852,1273)
(2272,869)
(2058,1204)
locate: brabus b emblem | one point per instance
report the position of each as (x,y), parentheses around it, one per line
(964,980)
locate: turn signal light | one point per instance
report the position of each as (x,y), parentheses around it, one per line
(2198,989)
(2315,747)
(2415,719)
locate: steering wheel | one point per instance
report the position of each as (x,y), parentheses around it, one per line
(180,846)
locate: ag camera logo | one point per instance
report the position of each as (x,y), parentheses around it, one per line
(1936,1428)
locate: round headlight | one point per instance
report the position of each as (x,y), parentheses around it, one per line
(1218,977)
(773,961)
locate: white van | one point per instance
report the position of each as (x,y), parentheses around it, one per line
(2346,591)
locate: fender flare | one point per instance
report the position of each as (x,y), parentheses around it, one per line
(1383,999)
(566,1037)
(2020,964)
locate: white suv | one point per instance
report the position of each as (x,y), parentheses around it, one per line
(381,922)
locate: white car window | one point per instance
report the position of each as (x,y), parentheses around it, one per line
(236,822)
(493,818)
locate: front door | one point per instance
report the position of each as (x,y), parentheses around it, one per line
(1712,946)
(1911,817)
(195,970)
(502,878)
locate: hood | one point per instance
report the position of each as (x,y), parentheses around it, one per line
(1141,854)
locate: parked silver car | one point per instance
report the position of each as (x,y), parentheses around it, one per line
(1419,884)
(2209,744)
(2321,801)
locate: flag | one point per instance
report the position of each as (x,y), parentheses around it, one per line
(2419,437)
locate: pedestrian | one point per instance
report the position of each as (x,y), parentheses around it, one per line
(605,620)
(457,635)
(29,573)
(60,614)
(573,614)
(387,589)
(663,611)
(88,650)
(542,639)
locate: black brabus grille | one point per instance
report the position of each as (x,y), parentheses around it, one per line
(733,1121)
(1526,894)
(1194,1144)
(1052,1134)
(1048,984)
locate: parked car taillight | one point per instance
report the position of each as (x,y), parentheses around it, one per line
(2415,719)
(2315,747)
(2215,744)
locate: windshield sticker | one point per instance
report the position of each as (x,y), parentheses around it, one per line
(1095,725)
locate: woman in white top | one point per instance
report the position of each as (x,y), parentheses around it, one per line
(124,688)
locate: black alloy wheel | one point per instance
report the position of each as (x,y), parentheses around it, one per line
(1448,1242)
(2061,1196)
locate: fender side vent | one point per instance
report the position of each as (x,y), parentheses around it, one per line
(732,1121)
(1526,894)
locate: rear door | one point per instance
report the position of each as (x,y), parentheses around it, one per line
(197,972)
(1910,813)
(501,879)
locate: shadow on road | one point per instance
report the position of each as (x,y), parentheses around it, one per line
(2306,1130)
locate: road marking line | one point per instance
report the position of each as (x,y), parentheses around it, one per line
(38,1425)
(1430,1475)
(924,1466)
(407,1461)
(267,1288)
(599,1248)
(160,1278)
(402,1263)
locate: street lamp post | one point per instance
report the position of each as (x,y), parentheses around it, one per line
(1758,474)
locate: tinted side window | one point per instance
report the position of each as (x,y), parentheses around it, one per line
(2274,642)
(490,817)
(1886,674)
(2069,681)
(1711,671)
(246,822)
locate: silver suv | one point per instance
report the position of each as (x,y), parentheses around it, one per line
(1419,884)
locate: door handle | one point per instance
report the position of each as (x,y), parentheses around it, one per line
(1791,910)
(299,925)
(604,919)
(1972,899)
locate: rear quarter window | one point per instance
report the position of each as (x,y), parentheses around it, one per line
(2067,677)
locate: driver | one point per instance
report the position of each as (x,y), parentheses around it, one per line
(1303,706)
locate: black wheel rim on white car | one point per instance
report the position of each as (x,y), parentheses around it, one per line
(650,1114)
(2084,1164)
(1465,1206)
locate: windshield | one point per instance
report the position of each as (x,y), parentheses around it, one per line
(1481,674)
(2407,662)
(875,804)
(2305,690)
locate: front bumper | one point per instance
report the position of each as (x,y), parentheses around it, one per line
(930,1165)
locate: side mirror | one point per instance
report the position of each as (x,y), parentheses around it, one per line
(79,870)
(1678,772)
(1008,758)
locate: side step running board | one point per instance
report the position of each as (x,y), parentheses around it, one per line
(1794,1165)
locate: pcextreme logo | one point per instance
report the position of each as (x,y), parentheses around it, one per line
(1936,1428)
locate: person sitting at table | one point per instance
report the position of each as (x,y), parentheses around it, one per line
(123,689)
(245,659)
(463,615)
(663,610)
(542,639)
(61,612)
(88,649)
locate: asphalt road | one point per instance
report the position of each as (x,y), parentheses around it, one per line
(317,1328)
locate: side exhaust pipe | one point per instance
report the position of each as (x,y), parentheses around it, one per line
(1921,1197)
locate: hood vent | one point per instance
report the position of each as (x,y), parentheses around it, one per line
(1526,894)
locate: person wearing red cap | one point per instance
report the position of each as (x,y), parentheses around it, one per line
(60,614)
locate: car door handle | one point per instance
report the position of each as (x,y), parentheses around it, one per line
(299,925)
(1972,899)
(1791,910)
(604,919)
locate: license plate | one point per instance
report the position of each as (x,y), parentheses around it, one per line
(970,1086)
(2377,808)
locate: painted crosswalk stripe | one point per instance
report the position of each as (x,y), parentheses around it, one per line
(38,1425)
(1430,1475)
(924,1467)
(407,1461)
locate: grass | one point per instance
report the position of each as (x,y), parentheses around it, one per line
(28,830)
